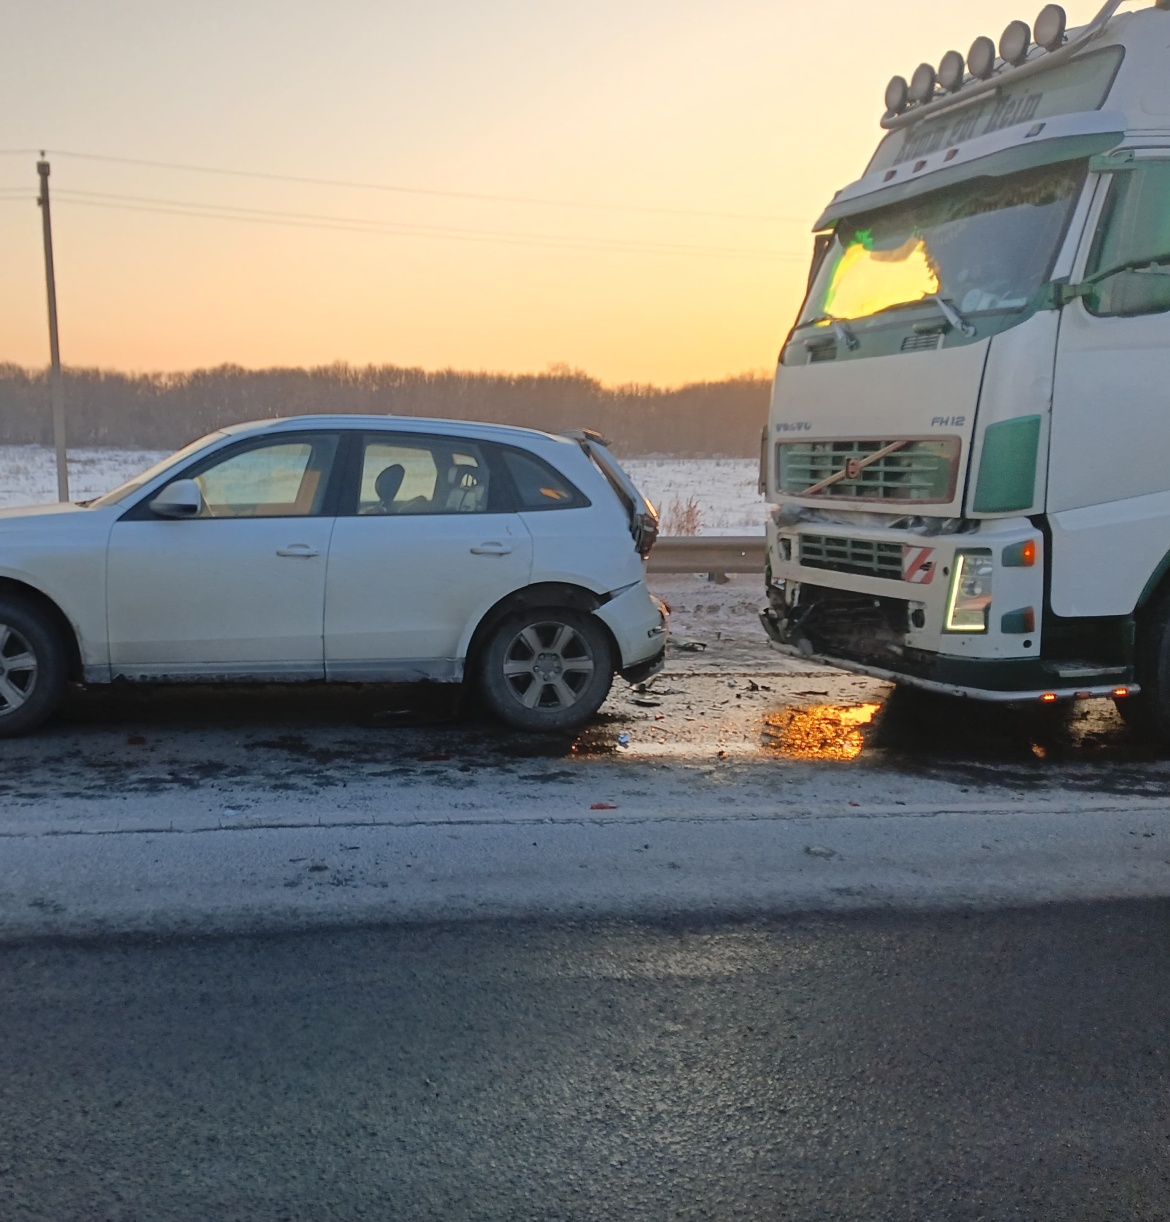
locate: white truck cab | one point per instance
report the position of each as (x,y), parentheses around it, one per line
(968,447)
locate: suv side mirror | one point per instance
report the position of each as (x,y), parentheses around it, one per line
(182,499)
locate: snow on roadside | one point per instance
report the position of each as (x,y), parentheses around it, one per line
(724,489)
(28,474)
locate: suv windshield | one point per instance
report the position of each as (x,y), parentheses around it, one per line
(140,481)
(987,244)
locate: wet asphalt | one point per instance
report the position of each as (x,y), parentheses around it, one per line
(1005,1065)
(945,1067)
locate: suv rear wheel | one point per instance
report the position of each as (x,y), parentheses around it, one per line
(547,669)
(32,667)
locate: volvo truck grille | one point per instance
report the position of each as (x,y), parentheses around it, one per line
(895,470)
(861,556)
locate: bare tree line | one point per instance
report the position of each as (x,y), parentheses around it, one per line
(166,410)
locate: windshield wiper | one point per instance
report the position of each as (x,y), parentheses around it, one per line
(954,317)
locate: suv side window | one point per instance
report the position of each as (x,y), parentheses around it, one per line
(1134,227)
(278,477)
(403,475)
(537,485)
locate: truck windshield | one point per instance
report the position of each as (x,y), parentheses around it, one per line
(985,245)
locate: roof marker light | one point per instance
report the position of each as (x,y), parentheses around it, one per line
(950,71)
(1049,28)
(897,95)
(1014,42)
(922,83)
(981,58)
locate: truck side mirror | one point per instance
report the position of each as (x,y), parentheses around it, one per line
(182,499)
(1129,293)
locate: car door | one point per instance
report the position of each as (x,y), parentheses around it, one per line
(1108,474)
(239,590)
(426,542)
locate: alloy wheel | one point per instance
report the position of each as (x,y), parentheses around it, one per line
(548,665)
(18,670)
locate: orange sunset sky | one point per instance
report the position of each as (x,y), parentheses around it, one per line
(625,186)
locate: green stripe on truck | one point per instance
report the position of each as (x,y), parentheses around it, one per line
(1007,466)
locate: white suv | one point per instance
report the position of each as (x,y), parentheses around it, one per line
(349,548)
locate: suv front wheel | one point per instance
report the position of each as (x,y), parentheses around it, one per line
(547,669)
(32,667)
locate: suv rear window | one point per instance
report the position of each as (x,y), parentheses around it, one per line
(538,486)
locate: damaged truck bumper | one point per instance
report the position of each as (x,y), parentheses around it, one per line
(1002,681)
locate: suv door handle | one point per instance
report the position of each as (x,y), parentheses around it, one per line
(297,551)
(492,549)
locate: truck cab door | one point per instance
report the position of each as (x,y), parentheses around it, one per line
(1109,459)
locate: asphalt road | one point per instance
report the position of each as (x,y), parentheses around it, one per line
(737,781)
(1006,1065)
(973,1027)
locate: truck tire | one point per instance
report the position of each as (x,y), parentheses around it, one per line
(32,667)
(1149,711)
(546,669)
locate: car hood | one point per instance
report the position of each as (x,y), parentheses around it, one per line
(32,515)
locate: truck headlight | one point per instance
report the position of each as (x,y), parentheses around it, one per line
(970,595)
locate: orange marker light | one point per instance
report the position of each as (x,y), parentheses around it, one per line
(1120,691)
(1020,555)
(1048,697)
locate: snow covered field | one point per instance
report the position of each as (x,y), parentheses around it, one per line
(28,474)
(724,489)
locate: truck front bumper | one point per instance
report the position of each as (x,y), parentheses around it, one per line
(1003,681)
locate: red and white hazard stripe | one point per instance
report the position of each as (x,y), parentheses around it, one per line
(918,565)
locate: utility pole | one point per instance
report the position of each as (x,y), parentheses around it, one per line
(56,386)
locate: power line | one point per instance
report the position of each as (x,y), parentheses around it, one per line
(230,211)
(225,212)
(426,191)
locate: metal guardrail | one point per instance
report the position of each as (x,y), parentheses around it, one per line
(707,554)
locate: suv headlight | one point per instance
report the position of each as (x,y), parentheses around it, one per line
(970,596)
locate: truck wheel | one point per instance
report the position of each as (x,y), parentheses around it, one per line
(547,669)
(1149,711)
(1130,710)
(32,667)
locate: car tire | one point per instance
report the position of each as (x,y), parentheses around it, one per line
(546,669)
(33,667)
